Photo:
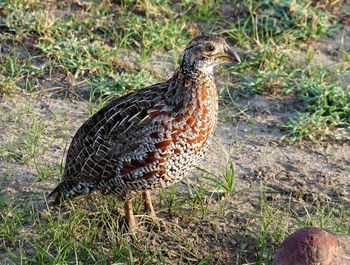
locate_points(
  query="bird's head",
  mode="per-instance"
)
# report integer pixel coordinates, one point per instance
(206, 51)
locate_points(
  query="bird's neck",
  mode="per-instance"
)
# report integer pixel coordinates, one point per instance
(193, 77)
(193, 70)
(186, 88)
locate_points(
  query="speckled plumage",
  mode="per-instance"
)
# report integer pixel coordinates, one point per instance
(147, 139)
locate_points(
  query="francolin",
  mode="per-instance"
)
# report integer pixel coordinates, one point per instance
(150, 138)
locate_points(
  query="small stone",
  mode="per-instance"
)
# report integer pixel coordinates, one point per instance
(311, 246)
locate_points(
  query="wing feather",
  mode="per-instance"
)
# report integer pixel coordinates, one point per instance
(100, 143)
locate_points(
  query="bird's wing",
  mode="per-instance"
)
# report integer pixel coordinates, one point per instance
(114, 140)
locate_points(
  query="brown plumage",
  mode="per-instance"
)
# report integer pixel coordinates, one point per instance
(149, 138)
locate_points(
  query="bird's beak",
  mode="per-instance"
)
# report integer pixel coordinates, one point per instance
(229, 55)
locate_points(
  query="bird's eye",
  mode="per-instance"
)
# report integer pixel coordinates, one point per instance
(210, 48)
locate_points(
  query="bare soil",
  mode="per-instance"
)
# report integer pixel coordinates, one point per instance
(249, 132)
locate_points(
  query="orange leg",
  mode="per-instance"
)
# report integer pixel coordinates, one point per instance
(148, 203)
(129, 214)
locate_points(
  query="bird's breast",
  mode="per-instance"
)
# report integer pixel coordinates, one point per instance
(194, 122)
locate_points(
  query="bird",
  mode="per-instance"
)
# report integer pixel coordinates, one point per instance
(150, 138)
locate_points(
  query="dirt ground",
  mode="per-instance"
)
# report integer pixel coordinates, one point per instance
(249, 132)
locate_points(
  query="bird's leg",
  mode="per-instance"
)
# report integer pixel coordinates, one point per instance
(148, 203)
(129, 214)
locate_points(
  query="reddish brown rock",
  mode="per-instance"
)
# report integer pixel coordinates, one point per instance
(313, 246)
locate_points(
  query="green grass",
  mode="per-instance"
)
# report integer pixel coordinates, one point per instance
(225, 183)
(88, 46)
(93, 233)
(268, 33)
(113, 49)
(327, 100)
(328, 106)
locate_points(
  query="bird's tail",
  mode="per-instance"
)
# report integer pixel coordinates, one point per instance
(70, 189)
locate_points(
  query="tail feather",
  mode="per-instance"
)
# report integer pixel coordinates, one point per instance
(70, 189)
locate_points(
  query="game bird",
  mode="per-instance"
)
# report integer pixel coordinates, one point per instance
(150, 138)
